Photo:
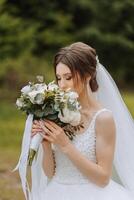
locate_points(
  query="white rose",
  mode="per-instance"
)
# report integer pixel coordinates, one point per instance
(73, 95)
(78, 106)
(40, 87)
(25, 90)
(40, 78)
(66, 117)
(52, 86)
(20, 103)
(39, 98)
(36, 97)
(32, 95)
(71, 117)
(76, 118)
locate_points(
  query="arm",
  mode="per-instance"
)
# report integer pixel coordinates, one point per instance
(99, 172)
(48, 162)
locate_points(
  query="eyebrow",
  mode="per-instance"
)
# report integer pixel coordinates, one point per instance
(64, 74)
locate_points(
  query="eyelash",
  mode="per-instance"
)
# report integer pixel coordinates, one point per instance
(66, 79)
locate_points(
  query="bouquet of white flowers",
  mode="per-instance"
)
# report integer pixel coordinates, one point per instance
(50, 102)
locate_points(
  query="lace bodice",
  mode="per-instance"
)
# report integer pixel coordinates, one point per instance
(66, 172)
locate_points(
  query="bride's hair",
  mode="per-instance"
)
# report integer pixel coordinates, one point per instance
(81, 58)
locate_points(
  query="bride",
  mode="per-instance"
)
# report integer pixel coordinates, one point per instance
(85, 167)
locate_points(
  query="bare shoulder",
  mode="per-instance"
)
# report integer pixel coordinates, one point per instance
(105, 124)
(105, 141)
(105, 116)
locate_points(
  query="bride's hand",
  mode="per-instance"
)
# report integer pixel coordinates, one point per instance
(37, 129)
(55, 134)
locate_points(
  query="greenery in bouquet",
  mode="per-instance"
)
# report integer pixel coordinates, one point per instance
(50, 102)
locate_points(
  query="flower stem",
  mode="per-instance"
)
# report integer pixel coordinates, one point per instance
(31, 156)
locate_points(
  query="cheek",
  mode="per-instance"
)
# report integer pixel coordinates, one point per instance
(71, 83)
(68, 84)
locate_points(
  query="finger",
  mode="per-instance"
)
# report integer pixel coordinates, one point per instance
(49, 133)
(36, 122)
(46, 130)
(49, 126)
(37, 129)
(54, 125)
(34, 133)
(44, 140)
(47, 137)
(36, 126)
(42, 134)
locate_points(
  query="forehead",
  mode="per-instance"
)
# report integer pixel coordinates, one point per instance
(62, 69)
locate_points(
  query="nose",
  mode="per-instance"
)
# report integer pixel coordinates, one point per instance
(63, 85)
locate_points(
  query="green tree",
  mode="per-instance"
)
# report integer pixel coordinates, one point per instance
(39, 27)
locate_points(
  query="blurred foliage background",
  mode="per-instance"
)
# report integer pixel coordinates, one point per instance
(31, 32)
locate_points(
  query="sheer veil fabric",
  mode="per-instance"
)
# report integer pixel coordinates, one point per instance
(109, 96)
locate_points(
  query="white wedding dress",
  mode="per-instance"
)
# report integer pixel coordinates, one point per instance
(69, 183)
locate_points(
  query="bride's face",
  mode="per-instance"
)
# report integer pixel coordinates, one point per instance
(66, 80)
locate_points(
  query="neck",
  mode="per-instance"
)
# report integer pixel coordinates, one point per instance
(88, 101)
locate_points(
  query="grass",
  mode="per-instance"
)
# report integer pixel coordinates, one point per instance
(129, 100)
(12, 125)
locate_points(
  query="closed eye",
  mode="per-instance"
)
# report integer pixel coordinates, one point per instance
(69, 78)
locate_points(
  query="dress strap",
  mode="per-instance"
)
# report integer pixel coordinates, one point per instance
(98, 112)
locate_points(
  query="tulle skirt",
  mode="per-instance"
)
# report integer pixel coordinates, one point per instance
(86, 191)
